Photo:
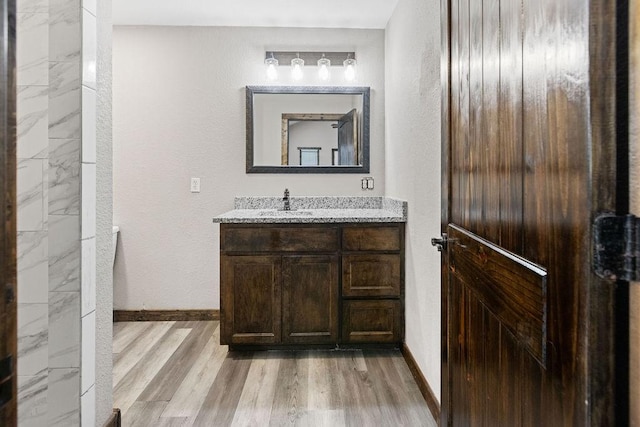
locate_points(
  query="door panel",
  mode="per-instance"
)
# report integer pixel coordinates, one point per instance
(513, 289)
(508, 115)
(495, 378)
(348, 139)
(529, 148)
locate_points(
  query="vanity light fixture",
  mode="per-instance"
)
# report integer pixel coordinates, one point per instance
(323, 68)
(350, 73)
(296, 68)
(324, 60)
(272, 68)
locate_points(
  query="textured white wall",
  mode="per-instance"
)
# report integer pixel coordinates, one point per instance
(104, 218)
(412, 150)
(179, 112)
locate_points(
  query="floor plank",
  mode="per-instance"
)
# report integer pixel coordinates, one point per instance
(176, 374)
(220, 404)
(174, 422)
(323, 418)
(322, 381)
(188, 399)
(290, 399)
(126, 333)
(145, 414)
(415, 397)
(391, 395)
(127, 391)
(117, 328)
(256, 400)
(361, 408)
(131, 354)
(168, 379)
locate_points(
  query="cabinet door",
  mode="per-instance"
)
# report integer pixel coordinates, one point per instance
(371, 321)
(310, 299)
(250, 303)
(371, 275)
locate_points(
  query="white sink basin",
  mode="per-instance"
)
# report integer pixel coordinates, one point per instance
(274, 212)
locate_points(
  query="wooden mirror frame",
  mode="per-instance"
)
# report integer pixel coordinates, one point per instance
(337, 90)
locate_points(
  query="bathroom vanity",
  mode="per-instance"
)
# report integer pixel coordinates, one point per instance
(329, 273)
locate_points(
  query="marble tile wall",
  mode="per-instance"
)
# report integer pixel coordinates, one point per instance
(65, 212)
(88, 213)
(32, 400)
(64, 392)
(33, 237)
(56, 62)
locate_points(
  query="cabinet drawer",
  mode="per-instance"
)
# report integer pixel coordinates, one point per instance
(279, 239)
(371, 238)
(376, 321)
(370, 275)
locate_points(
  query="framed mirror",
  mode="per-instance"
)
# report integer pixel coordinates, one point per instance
(307, 129)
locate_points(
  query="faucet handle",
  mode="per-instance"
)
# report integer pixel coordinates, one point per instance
(285, 199)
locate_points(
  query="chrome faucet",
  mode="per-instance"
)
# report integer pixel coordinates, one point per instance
(285, 199)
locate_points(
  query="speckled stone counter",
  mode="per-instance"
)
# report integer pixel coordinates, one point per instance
(252, 210)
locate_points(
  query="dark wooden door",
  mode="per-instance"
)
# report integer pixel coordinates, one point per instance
(348, 138)
(531, 156)
(310, 299)
(251, 303)
(8, 328)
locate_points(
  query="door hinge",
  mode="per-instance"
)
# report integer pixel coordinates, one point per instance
(9, 294)
(6, 380)
(616, 247)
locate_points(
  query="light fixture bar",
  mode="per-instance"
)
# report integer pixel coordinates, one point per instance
(310, 58)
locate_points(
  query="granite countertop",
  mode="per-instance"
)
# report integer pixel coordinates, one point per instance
(252, 210)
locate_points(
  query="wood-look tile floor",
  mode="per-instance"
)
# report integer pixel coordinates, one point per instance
(177, 374)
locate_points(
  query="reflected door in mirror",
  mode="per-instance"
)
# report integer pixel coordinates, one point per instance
(348, 138)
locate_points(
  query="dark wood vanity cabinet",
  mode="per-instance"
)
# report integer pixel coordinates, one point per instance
(372, 284)
(311, 284)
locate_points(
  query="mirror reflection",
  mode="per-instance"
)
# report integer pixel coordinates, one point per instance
(307, 129)
(331, 133)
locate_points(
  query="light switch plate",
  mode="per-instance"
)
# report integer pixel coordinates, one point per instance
(195, 185)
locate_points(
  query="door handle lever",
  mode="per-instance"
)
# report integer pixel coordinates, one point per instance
(440, 242)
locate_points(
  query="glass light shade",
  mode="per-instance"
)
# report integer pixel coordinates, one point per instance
(350, 69)
(296, 68)
(323, 68)
(272, 68)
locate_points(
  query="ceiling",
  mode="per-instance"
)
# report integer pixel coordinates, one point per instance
(255, 13)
